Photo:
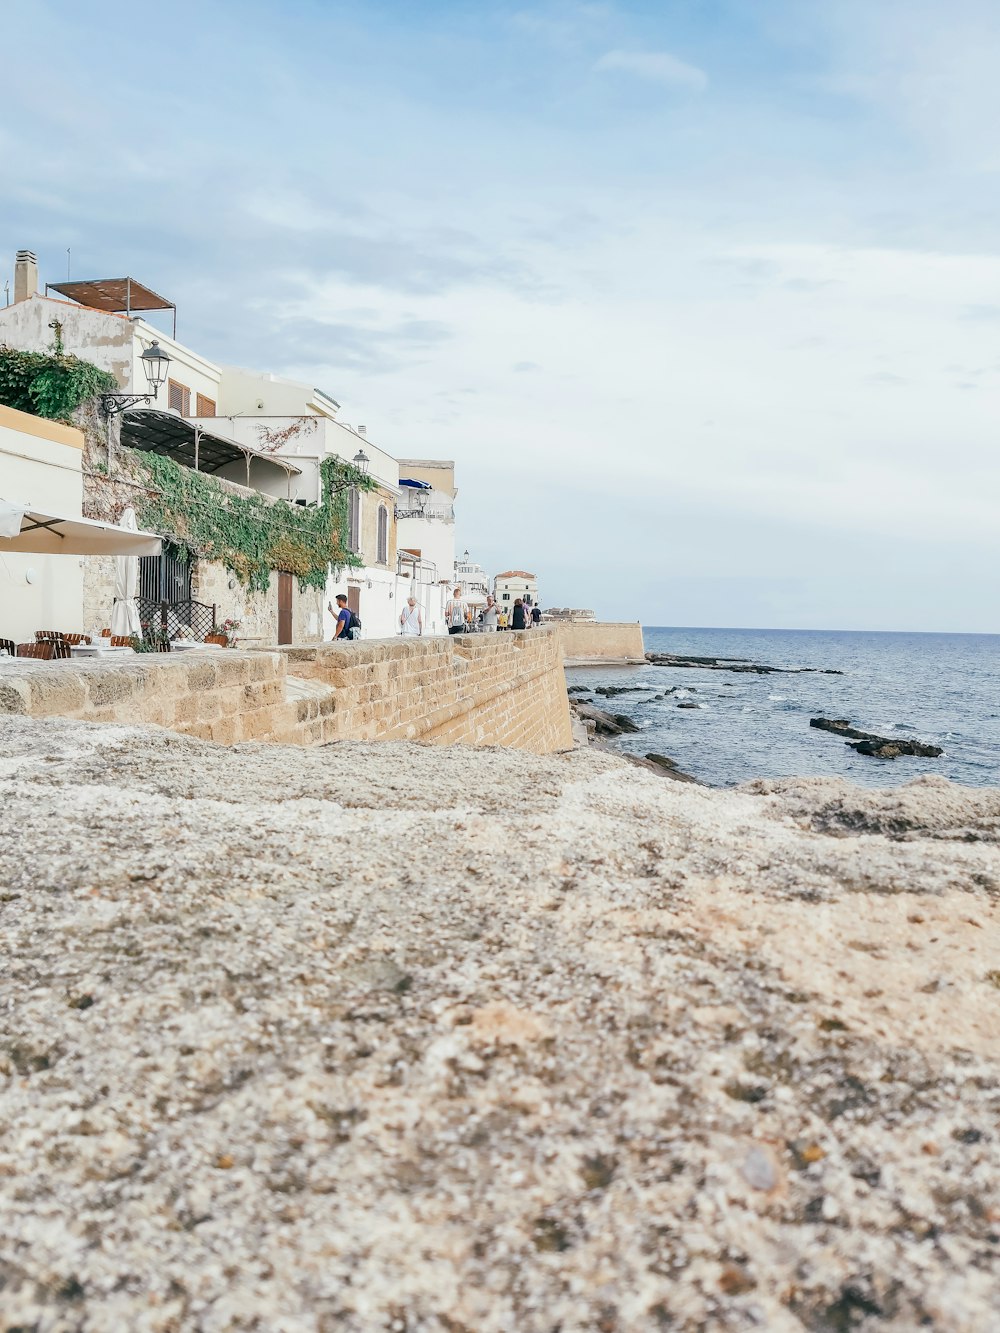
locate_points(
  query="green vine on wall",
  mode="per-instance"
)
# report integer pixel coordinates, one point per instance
(49, 384)
(247, 533)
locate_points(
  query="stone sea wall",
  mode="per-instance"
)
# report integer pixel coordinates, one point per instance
(504, 689)
(488, 689)
(601, 641)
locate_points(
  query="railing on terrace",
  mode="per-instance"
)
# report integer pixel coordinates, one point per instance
(162, 618)
(446, 512)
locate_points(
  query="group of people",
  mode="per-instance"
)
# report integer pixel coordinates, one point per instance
(460, 617)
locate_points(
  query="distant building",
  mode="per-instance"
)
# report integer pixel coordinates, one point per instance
(425, 534)
(572, 613)
(472, 579)
(514, 583)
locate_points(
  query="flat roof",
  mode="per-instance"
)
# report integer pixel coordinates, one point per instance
(116, 295)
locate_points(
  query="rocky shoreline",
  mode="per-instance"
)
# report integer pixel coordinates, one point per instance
(402, 1037)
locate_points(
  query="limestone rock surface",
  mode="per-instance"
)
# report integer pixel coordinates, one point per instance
(372, 1037)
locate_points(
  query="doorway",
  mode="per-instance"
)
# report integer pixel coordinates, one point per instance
(284, 607)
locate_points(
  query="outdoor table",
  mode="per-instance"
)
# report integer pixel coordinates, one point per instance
(96, 650)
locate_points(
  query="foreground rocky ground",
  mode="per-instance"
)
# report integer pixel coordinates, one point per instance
(392, 1037)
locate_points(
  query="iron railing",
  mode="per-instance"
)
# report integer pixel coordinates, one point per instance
(163, 618)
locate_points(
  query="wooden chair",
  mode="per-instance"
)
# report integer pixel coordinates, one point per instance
(49, 636)
(121, 640)
(8, 645)
(74, 639)
(221, 639)
(41, 650)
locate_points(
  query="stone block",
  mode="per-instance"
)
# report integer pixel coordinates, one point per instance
(109, 686)
(15, 695)
(201, 676)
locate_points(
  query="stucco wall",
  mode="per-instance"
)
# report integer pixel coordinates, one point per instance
(603, 641)
(503, 689)
(98, 337)
(40, 465)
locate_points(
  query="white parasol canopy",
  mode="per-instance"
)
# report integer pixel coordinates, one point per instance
(24, 528)
(125, 612)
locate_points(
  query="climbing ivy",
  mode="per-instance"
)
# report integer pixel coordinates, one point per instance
(247, 533)
(49, 384)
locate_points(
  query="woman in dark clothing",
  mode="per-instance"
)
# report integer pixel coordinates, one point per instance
(517, 615)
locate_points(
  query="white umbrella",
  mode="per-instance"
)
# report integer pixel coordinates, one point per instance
(125, 612)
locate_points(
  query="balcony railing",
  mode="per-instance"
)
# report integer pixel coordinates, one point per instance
(447, 512)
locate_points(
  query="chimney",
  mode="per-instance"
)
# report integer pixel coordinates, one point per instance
(363, 430)
(25, 275)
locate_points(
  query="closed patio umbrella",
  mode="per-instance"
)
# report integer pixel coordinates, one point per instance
(125, 612)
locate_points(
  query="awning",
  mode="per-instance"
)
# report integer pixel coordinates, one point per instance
(119, 295)
(416, 485)
(155, 432)
(38, 533)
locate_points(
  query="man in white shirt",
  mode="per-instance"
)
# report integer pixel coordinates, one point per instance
(488, 619)
(411, 618)
(454, 614)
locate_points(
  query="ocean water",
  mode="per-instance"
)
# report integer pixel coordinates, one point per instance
(940, 688)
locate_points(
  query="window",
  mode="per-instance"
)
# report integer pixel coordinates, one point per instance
(506, 597)
(382, 558)
(179, 398)
(206, 406)
(354, 519)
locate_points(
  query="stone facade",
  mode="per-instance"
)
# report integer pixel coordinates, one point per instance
(503, 689)
(601, 641)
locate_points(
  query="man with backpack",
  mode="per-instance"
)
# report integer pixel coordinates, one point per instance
(348, 625)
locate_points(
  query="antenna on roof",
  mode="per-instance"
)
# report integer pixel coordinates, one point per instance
(69, 252)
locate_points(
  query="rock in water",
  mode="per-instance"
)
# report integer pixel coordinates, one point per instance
(882, 747)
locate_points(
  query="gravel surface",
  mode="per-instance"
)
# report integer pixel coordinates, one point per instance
(398, 1037)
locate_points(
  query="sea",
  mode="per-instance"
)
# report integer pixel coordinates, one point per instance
(939, 688)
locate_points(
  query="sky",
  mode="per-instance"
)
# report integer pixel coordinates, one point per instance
(702, 296)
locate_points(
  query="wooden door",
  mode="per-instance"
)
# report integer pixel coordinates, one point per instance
(284, 608)
(354, 599)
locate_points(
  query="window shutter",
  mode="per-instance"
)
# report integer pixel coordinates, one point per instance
(206, 406)
(179, 398)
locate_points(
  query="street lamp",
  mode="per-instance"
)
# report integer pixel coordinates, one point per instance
(361, 461)
(156, 367)
(420, 500)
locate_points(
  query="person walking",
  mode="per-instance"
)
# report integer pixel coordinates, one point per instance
(454, 614)
(347, 625)
(517, 615)
(411, 619)
(488, 619)
(536, 616)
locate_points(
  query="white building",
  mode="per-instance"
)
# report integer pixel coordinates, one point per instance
(282, 431)
(41, 465)
(425, 534)
(514, 583)
(472, 579)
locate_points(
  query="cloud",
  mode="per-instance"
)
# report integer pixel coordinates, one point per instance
(657, 67)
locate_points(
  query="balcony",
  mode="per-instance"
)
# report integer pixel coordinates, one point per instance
(444, 512)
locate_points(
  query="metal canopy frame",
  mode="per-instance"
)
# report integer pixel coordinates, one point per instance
(154, 432)
(118, 296)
